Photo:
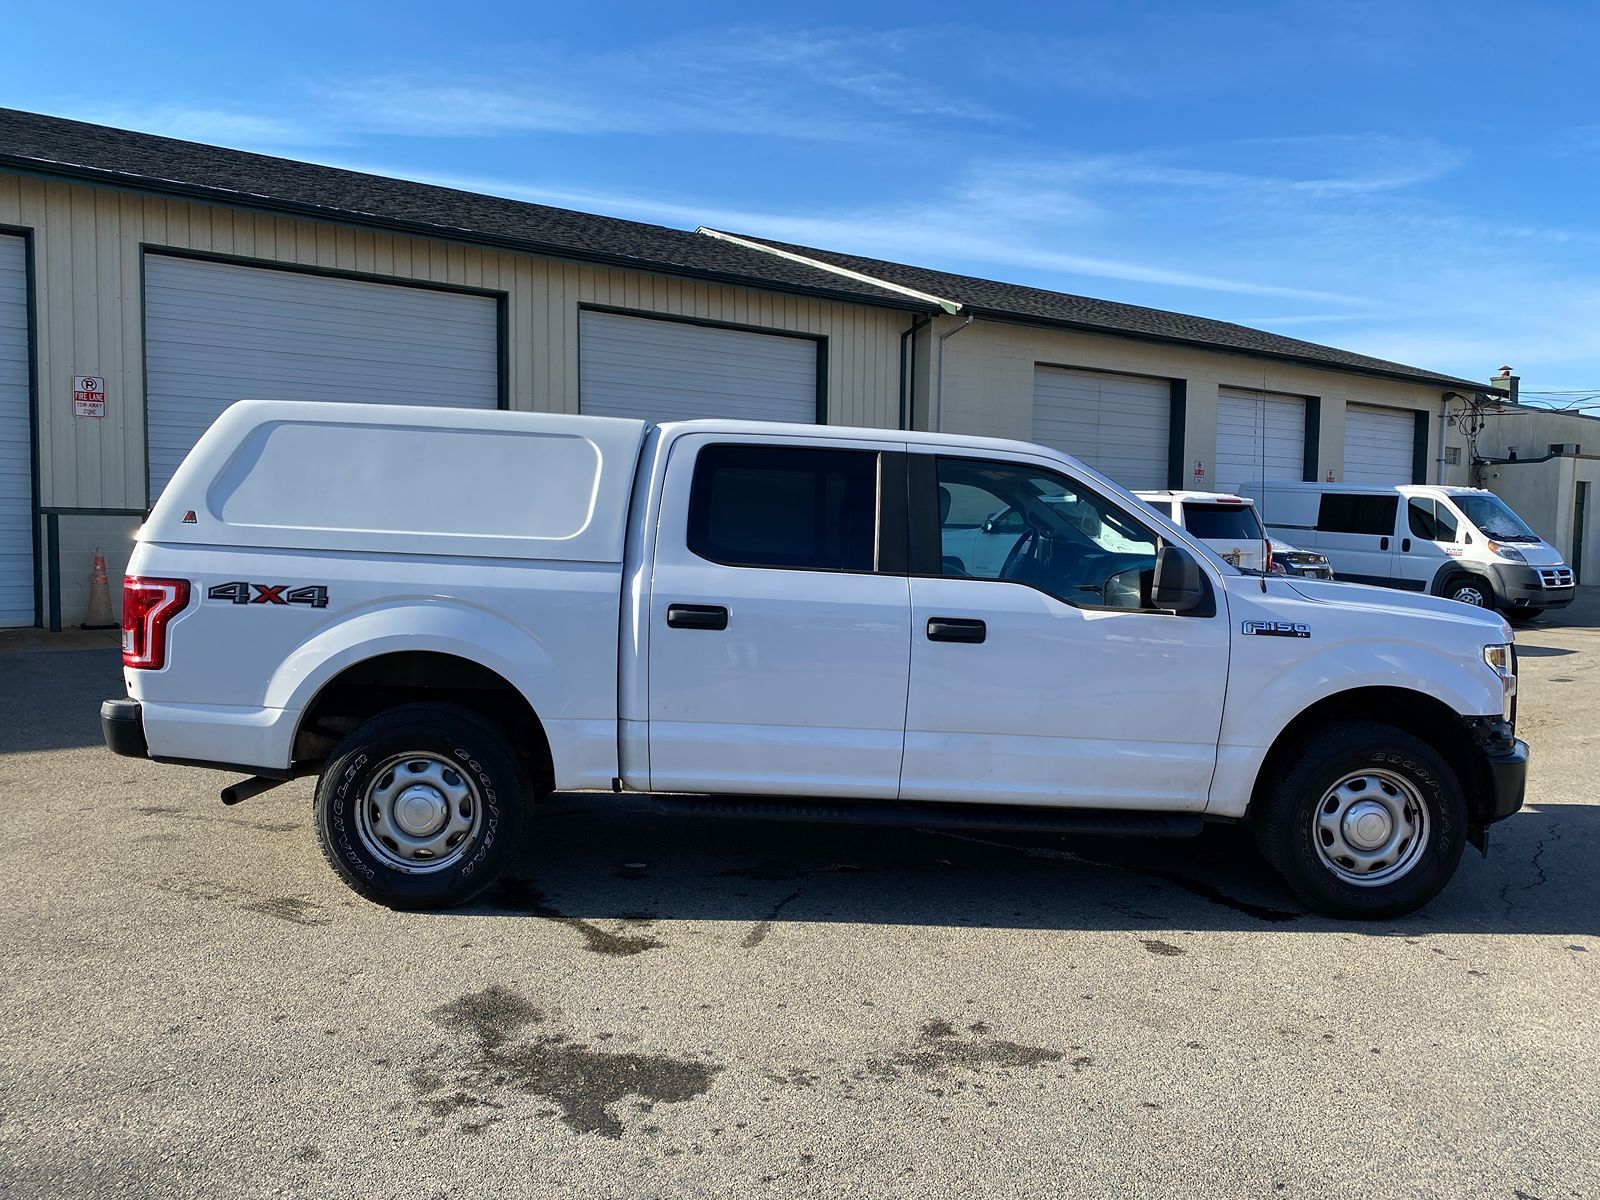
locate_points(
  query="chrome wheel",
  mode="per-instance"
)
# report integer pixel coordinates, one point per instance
(1470, 593)
(420, 813)
(1371, 827)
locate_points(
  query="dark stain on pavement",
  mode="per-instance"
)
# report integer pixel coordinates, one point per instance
(583, 1083)
(758, 934)
(519, 896)
(287, 908)
(1156, 946)
(939, 1050)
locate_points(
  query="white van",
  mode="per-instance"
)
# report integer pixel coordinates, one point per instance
(1460, 542)
(1230, 526)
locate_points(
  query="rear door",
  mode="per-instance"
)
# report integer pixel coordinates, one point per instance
(1356, 530)
(779, 618)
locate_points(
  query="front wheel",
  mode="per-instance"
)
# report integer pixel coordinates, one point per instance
(421, 806)
(1364, 821)
(1523, 616)
(1471, 589)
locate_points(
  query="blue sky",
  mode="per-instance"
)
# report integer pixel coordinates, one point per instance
(1412, 180)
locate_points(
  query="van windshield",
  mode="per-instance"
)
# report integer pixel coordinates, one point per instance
(1490, 514)
(1224, 522)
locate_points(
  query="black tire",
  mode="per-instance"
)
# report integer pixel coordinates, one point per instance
(470, 755)
(1287, 832)
(1523, 616)
(1463, 583)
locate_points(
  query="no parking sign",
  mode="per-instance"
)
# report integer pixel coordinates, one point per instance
(88, 396)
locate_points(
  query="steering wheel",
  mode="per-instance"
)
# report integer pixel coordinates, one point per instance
(1018, 552)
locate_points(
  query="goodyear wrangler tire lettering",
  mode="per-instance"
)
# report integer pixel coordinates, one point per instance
(401, 826)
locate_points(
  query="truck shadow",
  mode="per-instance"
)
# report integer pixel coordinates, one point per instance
(615, 872)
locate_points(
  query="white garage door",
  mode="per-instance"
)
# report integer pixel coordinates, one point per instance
(1118, 424)
(673, 371)
(218, 332)
(16, 472)
(1259, 436)
(1378, 444)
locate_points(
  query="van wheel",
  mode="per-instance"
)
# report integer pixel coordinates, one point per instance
(1366, 821)
(1523, 616)
(421, 806)
(1471, 589)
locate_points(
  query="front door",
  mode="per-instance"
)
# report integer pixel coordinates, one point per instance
(1048, 678)
(1430, 540)
(779, 638)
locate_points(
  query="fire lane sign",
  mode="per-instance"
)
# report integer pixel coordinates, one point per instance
(88, 396)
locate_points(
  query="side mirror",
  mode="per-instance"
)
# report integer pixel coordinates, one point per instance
(1179, 585)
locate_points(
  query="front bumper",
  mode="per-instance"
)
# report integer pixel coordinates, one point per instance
(1508, 779)
(1523, 587)
(122, 725)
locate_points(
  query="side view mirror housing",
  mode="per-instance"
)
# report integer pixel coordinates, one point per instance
(1180, 586)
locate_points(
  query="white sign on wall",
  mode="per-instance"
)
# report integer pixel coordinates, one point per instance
(88, 396)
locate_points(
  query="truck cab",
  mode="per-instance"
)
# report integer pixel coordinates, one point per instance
(1230, 526)
(765, 619)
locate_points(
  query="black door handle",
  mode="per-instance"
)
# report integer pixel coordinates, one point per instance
(1405, 545)
(697, 616)
(956, 629)
(1383, 543)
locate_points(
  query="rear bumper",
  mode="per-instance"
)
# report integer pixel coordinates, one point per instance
(122, 726)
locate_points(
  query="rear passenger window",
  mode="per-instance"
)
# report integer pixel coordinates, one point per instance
(772, 506)
(1357, 514)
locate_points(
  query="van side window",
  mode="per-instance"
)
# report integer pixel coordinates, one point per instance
(1432, 520)
(1344, 513)
(774, 506)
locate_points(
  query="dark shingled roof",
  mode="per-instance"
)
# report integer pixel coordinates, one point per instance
(56, 146)
(988, 298)
(98, 153)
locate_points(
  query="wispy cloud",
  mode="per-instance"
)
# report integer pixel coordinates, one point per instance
(810, 85)
(203, 124)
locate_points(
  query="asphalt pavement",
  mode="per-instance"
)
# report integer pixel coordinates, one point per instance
(651, 1006)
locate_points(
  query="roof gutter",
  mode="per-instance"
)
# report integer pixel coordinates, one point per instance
(952, 307)
(125, 181)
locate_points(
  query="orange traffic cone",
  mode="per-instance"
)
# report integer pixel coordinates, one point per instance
(99, 596)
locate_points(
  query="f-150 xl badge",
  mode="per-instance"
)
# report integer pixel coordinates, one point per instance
(315, 595)
(1277, 629)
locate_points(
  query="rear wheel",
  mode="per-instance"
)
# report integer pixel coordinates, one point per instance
(421, 806)
(1364, 821)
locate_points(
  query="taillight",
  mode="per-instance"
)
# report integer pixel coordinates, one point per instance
(147, 606)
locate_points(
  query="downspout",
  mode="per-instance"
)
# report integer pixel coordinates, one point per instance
(908, 370)
(1444, 432)
(938, 421)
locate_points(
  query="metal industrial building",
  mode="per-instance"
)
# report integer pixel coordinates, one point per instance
(187, 276)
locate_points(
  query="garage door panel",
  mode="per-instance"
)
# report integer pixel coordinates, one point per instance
(1378, 444)
(1117, 424)
(220, 332)
(16, 439)
(659, 370)
(1260, 435)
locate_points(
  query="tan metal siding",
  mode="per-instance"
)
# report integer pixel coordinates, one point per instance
(88, 299)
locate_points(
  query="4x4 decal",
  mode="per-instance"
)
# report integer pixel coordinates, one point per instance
(314, 595)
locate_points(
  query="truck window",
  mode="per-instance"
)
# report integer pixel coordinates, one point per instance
(1345, 513)
(1430, 519)
(1069, 542)
(775, 506)
(1224, 522)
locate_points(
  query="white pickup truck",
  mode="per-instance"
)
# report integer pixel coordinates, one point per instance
(447, 615)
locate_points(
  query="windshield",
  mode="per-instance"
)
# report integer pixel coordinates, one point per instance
(1490, 514)
(1224, 522)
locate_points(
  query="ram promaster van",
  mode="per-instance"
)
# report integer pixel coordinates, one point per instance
(1460, 542)
(1229, 525)
(446, 615)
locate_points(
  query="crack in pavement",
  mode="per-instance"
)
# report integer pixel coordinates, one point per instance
(1536, 861)
(758, 934)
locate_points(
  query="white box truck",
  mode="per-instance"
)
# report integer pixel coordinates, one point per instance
(1460, 542)
(447, 614)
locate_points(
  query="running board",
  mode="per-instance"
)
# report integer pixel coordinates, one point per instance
(1021, 818)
